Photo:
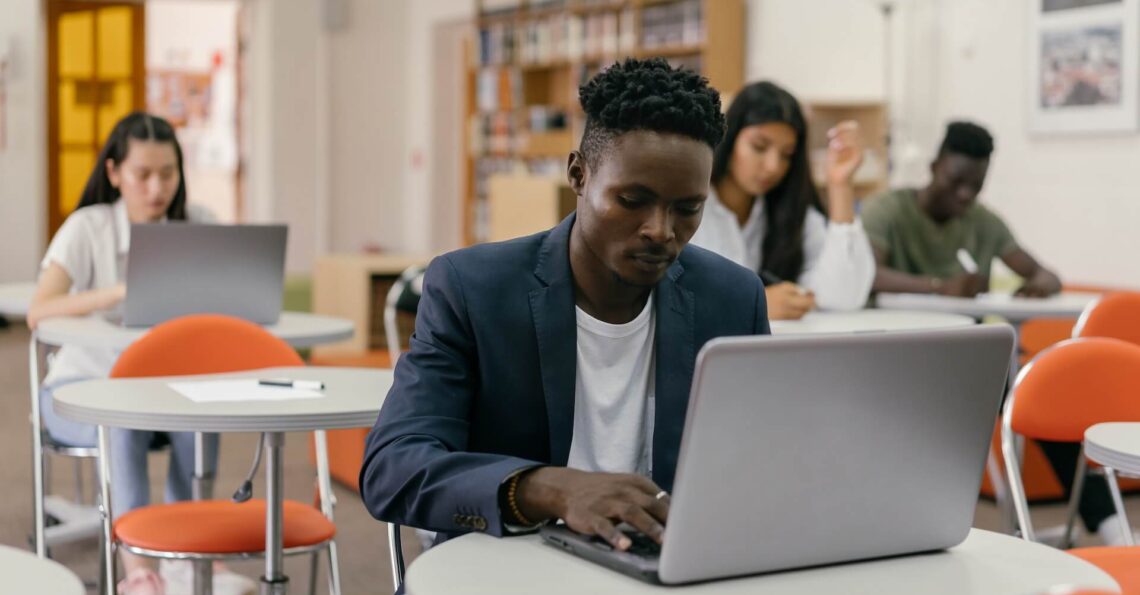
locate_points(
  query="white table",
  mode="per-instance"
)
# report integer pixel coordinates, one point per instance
(23, 572)
(867, 321)
(1014, 309)
(986, 563)
(351, 399)
(15, 298)
(1116, 446)
(299, 329)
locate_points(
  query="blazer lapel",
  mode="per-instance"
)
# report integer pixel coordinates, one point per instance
(552, 308)
(676, 355)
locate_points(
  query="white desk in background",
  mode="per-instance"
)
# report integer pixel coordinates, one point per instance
(298, 329)
(1014, 309)
(22, 572)
(868, 321)
(986, 563)
(15, 299)
(351, 399)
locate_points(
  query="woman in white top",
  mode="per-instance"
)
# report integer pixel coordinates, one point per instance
(764, 211)
(137, 179)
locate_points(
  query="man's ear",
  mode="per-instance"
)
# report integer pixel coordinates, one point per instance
(577, 172)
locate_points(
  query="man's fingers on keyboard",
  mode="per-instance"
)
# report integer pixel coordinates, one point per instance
(641, 520)
(606, 530)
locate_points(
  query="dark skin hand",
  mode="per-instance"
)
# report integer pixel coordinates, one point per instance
(594, 503)
(1039, 281)
(890, 280)
(638, 206)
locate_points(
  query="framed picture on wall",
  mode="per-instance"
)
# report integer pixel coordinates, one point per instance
(1083, 58)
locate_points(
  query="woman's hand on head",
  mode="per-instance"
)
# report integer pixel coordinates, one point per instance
(844, 152)
(788, 301)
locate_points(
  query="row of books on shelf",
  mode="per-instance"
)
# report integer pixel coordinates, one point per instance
(672, 25)
(559, 37)
(500, 133)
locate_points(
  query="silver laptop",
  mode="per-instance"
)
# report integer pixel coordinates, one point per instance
(175, 269)
(810, 450)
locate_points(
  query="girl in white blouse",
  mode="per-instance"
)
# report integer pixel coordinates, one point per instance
(764, 211)
(137, 179)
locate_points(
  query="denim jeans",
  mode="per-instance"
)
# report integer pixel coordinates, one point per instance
(130, 478)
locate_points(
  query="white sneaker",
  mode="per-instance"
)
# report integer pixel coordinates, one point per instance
(179, 578)
(1110, 533)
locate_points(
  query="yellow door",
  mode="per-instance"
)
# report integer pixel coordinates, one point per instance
(95, 77)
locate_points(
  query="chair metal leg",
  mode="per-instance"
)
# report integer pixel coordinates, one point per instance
(105, 508)
(396, 550)
(314, 568)
(79, 495)
(203, 577)
(1075, 498)
(334, 570)
(1118, 502)
(38, 472)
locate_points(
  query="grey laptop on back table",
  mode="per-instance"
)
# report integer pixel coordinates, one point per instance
(818, 449)
(175, 269)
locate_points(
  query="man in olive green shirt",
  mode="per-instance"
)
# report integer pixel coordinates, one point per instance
(916, 234)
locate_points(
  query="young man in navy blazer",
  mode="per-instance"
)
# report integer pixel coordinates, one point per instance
(548, 376)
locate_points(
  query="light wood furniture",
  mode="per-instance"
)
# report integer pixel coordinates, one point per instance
(530, 56)
(353, 286)
(521, 205)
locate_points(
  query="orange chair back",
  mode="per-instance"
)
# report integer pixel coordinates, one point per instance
(203, 344)
(1076, 384)
(1115, 315)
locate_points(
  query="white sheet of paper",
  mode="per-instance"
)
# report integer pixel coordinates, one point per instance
(246, 389)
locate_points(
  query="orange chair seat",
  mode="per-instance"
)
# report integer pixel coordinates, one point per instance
(1121, 563)
(218, 527)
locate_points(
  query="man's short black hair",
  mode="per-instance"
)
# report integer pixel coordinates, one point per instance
(967, 139)
(648, 95)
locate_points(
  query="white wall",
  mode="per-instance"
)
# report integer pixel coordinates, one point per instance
(22, 165)
(1071, 200)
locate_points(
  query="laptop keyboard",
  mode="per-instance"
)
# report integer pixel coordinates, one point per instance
(642, 545)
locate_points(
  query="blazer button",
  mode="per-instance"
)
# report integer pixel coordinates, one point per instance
(458, 519)
(480, 523)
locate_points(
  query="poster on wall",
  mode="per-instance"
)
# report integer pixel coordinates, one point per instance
(1083, 66)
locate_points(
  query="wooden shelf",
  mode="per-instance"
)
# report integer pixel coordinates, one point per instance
(532, 29)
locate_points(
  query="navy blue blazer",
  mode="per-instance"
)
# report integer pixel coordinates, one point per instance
(488, 386)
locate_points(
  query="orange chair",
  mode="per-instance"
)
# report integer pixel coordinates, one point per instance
(1115, 315)
(207, 530)
(1066, 389)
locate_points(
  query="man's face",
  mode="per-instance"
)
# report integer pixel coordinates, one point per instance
(955, 183)
(641, 202)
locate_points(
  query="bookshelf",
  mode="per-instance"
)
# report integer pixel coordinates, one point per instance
(530, 56)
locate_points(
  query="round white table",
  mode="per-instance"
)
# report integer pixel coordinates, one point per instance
(986, 563)
(1013, 309)
(1116, 445)
(868, 321)
(24, 572)
(351, 399)
(15, 298)
(299, 329)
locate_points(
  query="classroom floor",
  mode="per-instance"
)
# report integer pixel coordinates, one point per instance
(362, 541)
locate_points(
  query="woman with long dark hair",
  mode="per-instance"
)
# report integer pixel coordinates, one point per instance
(764, 211)
(138, 178)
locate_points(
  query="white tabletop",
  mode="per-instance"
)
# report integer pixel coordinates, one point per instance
(351, 399)
(985, 563)
(299, 329)
(15, 298)
(868, 320)
(1115, 444)
(24, 572)
(1015, 309)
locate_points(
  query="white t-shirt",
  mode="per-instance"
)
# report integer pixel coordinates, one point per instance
(91, 246)
(839, 266)
(613, 394)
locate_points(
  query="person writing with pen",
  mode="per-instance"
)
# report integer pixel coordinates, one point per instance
(548, 376)
(939, 239)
